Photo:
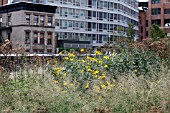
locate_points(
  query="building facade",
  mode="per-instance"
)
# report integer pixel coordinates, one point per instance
(3, 2)
(30, 25)
(90, 23)
(158, 12)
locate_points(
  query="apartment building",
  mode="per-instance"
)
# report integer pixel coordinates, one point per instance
(90, 23)
(158, 12)
(30, 25)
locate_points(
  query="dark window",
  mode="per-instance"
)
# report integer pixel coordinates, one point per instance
(146, 23)
(35, 37)
(42, 20)
(41, 38)
(27, 37)
(166, 22)
(156, 11)
(141, 38)
(157, 22)
(9, 18)
(9, 36)
(146, 33)
(50, 20)
(141, 29)
(28, 19)
(35, 20)
(49, 40)
(155, 1)
(94, 13)
(166, 11)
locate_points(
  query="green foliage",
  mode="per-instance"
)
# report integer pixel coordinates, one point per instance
(130, 32)
(156, 32)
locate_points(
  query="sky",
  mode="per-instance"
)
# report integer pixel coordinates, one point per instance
(143, 0)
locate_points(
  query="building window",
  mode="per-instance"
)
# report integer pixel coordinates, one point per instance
(41, 38)
(49, 51)
(28, 19)
(166, 11)
(146, 23)
(49, 39)
(157, 22)
(81, 24)
(146, 33)
(155, 1)
(49, 20)
(42, 20)
(0, 19)
(70, 24)
(9, 36)
(35, 38)
(141, 29)
(156, 11)
(9, 20)
(27, 37)
(35, 20)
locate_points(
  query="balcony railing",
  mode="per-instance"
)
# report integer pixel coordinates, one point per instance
(2, 24)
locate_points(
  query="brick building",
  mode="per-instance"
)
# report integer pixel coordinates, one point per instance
(3, 2)
(158, 12)
(30, 25)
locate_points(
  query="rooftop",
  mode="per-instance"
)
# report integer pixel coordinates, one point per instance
(27, 6)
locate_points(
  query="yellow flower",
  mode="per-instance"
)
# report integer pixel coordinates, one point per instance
(105, 66)
(64, 84)
(95, 76)
(95, 72)
(103, 86)
(83, 61)
(105, 57)
(82, 50)
(56, 81)
(82, 71)
(64, 75)
(71, 59)
(87, 57)
(72, 55)
(113, 54)
(87, 86)
(100, 61)
(93, 59)
(70, 84)
(101, 77)
(60, 53)
(89, 70)
(98, 53)
(66, 58)
(87, 67)
(58, 70)
(109, 84)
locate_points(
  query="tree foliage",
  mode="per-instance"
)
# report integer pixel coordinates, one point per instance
(156, 32)
(130, 32)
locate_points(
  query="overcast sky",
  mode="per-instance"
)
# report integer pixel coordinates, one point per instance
(143, 0)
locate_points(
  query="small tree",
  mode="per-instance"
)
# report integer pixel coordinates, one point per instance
(130, 32)
(156, 32)
(119, 30)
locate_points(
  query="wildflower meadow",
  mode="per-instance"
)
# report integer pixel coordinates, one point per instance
(126, 78)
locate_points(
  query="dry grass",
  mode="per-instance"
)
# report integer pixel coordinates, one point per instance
(37, 93)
